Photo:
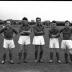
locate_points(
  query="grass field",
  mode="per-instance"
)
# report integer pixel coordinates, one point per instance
(32, 67)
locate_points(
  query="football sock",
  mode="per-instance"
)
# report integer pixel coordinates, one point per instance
(57, 56)
(24, 56)
(70, 57)
(66, 57)
(36, 52)
(51, 55)
(41, 54)
(4, 56)
(19, 55)
(10, 56)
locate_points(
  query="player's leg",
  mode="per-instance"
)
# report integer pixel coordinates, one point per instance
(25, 54)
(70, 49)
(51, 50)
(57, 55)
(20, 53)
(66, 56)
(63, 46)
(70, 54)
(11, 47)
(56, 42)
(21, 43)
(27, 42)
(11, 56)
(4, 55)
(42, 43)
(36, 52)
(5, 48)
(41, 53)
(36, 43)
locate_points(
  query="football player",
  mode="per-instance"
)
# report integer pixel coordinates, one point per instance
(54, 42)
(66, 43)
(38, 39)
(24, 39)
(8, 44)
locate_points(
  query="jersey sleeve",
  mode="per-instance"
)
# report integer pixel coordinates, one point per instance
(20, 29)
(61, 30)
(49, 32)
(34, 29)
(15, 31)
(71, 30)
(2, 30)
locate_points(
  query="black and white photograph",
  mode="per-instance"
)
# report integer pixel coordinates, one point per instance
(35, 36)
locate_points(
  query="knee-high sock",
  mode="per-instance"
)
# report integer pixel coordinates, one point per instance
(24, 56)
(51, 55)
(10, 55)
(36, 52)
(66, 57)
(70, 56)
(41, 54)
(4, 56)
(19, 55)
(57, 55)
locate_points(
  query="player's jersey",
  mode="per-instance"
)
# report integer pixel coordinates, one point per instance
(66, 33)
(54, 31)
(23, 29)
(38, 30)
(8, 32)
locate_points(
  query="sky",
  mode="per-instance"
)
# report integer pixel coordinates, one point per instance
(47, 10)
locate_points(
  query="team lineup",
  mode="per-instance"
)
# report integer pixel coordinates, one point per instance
(38, 41)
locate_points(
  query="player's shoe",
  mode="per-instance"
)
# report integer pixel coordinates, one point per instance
(2, 62)
(40, 61)
(36, 61)
(24, 61)
(11, 62)
(58, 61)
(50, 61)
(66, 62)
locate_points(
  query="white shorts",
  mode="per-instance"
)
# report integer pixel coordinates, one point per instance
(38, 40)
(8, 43)
(24, 40)
(54, 43)
(66, 43)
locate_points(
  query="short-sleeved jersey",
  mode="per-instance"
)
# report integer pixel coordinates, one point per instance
(8, 32)
(54, 31)
(38, 30)
(67, 31)
(25, 28)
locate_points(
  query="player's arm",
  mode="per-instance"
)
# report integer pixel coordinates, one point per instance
(61, 34)
(15, 31)
(50, 35)
(2, 30)
(41, 31)
(58, 34)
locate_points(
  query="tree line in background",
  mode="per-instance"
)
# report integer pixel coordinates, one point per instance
(32, 22)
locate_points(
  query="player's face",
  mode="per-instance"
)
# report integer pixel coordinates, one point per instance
(26, 22)
(67, 24)
(8, 23)
(38, 21)
(53, 25)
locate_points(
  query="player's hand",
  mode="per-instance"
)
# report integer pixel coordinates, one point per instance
(53, 35)
(40, 32)
(25, 32)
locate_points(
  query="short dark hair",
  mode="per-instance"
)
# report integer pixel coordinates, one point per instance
(53, 21)
(67, 21)
(38, 18)
(25, 18)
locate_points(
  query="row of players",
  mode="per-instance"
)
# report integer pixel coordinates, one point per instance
(38, 40)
